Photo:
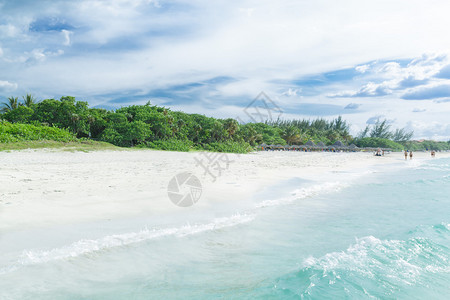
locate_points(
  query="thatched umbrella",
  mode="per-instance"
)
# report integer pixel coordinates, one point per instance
(263, 146)
(320, 145)
(310, 144)
(338, 144)
(353, 147)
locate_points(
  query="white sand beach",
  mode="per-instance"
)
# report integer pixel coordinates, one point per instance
(41, 188)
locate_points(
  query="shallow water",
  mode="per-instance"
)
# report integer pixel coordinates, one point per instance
(385, 234)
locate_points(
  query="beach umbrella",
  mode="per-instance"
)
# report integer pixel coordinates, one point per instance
(320, 145)
(338, 144)
(353, 147)
(310, 144)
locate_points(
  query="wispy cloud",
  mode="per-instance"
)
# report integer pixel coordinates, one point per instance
(432, 92)
(352, 106)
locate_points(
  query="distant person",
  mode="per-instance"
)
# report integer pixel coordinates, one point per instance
(406, 154)
(433, 153)
(410, 155)
(378, 153)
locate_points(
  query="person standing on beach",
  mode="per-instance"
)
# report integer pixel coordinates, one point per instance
(406, 154)
(410, 155)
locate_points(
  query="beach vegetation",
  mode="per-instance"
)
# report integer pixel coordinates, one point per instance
(157, 127)
(16, 132)
(425, 145)
(376, 142)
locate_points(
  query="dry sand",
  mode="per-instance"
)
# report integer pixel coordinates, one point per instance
(42, 188)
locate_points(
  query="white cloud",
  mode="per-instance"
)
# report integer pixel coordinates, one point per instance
(291, 92)
(396, 79)
(7, 86)
(66, 35)
(362, 68)
(9, 30)
(370, 89)
(433, 130)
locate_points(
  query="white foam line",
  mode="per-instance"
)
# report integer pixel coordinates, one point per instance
(82, 247)
(304, 193)
(398, 259)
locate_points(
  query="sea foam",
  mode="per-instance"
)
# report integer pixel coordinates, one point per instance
(87, 246)
(303, 193)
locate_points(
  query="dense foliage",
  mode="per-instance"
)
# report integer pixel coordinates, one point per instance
(376, 142)
(161, 128)
(381, 135)
(28, 132)
(426, 145)
(381, 129)
(319, 130)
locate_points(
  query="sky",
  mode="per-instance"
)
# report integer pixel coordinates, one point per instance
(363, 60)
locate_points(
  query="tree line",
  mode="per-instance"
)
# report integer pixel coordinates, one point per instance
(161, 128)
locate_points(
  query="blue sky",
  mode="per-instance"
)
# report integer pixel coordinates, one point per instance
(360, 59)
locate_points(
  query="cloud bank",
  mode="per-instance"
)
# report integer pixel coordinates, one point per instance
(214, 57)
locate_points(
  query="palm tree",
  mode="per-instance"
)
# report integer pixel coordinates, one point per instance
(291, 134)
(197, 128)
(217, 132)
(231, 126)
(252, 136)
(13, 103)
(29, 100)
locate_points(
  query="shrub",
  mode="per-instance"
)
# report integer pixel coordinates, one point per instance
(229, 146)
(26, 132)
(171, 145)
(377, 143)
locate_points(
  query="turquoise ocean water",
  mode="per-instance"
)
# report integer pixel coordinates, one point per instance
(382, 233)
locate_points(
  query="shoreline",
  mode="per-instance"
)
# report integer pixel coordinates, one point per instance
(44, 189)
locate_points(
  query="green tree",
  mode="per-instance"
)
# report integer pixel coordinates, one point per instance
(291, 135)
(21, 114)
(381, 130)
(231, 126)
(401, 135)
(137, 133)
(13, 103)
(29, 101)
